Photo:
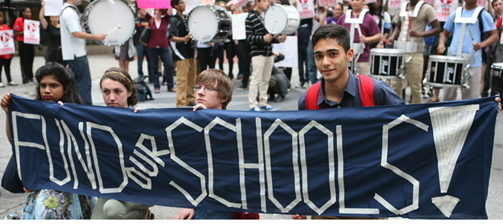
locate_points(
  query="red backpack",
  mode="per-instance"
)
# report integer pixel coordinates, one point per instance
(366, 93)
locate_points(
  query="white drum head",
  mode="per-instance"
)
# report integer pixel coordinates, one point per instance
(275, 19)
(113, 18)
(202, 23)
(498, 65)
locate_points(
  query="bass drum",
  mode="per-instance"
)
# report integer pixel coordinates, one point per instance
(209, 23)
(111, 17)
(282, 19)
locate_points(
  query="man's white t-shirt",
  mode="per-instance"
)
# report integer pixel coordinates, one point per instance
(70, 22)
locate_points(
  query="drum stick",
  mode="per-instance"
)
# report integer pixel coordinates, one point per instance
(471, 37)
(116, 28)
(274, 25)
(190, 30)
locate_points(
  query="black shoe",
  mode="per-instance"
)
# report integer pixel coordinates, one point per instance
(191, 104)
(241, 87)
(279, 98)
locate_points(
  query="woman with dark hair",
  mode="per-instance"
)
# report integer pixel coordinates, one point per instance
(26, 51)
(55, 84)
(336, 13)
(118, 90)
(158, 47)
(383, 19)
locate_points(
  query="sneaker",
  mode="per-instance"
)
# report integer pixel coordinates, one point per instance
(267, 107)
(255, 109)
(241, 87)
(11, 83)
(1, 85)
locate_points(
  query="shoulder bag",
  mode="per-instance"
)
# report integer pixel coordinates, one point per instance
(145, 34)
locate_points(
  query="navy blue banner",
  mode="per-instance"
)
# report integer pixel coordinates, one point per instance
(415, 161)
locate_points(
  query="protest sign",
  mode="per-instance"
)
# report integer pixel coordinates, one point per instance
(421, 161)
(7, 43)
(31, 32)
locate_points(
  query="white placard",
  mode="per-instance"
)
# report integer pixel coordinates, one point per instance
(306, 8)
(239, 3)
(52, 7)
(31, 32)
(238, 26)
(289, 49)
(443, 8)
(7, 42)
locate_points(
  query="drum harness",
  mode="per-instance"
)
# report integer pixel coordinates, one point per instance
(74, 8)
(355, 24)
(407, 26)
(459, 53)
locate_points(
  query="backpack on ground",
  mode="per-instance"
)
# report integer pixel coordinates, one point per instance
(144, 92)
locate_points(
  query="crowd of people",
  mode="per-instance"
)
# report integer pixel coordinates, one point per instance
(328, 42)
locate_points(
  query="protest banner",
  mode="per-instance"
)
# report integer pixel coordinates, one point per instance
(420, 161)
(7, 43)
(31, 32)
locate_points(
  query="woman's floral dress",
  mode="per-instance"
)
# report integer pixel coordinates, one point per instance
(52, 204)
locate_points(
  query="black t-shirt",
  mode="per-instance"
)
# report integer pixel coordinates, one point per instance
(54, 36)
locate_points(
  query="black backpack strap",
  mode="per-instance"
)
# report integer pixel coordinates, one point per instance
(481, 24)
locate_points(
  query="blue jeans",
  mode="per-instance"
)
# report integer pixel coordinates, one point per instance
(302, 60)
(80, 67)
(311, 67)
(141, 52)
(153, 55)
(210, 214)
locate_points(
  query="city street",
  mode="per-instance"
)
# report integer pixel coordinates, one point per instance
(10, 203)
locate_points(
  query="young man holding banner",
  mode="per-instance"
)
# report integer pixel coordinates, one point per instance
(339, 87)
(213, 91)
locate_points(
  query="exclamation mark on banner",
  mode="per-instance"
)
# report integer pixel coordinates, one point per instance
(450, 128)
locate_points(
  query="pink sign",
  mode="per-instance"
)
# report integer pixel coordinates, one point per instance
(154, 4)
(328, 2)
(394, 4)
